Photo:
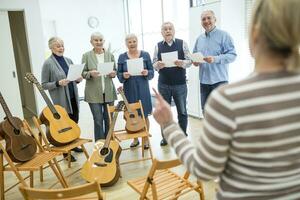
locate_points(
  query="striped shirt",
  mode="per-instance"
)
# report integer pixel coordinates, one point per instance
(251, 139)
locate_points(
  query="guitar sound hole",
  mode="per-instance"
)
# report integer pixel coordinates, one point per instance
(131, 115)
(17, 132)
(104, 151)
(56, 116)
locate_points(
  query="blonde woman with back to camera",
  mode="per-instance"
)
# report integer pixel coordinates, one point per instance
(251, 137)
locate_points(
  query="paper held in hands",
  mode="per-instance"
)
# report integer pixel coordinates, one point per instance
(169, 58)
(75, 72)
(135, 66)
(198, 57)
(105, 68)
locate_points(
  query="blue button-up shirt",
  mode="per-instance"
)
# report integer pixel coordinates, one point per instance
(219, 44)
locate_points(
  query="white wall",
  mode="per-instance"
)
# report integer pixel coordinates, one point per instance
(68, 19)
(234, 22)
(34, 35)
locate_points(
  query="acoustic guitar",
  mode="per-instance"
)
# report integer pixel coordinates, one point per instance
(20, 146)
(61, 129)
(134, 121)
(103, 165)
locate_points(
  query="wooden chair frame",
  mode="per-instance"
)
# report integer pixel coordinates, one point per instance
(39, 160)
(62, 149)
(164, 183)
(66, 193)
(121, 135)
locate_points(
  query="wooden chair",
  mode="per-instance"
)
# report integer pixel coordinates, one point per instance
(87, 191)
(121, 135)
(164, 183)
(62, 149)
(65, 148)
(41, 159)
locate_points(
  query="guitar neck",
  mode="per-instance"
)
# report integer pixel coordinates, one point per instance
(125, 101)
(7, 112)
(46, 98)
(111, 129)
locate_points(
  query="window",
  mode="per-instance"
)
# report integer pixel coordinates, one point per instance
(144, 18)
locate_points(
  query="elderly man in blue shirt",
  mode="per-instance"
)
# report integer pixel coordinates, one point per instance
(218, 51)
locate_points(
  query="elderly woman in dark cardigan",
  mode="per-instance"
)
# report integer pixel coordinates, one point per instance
(136, 87)
(62, 91)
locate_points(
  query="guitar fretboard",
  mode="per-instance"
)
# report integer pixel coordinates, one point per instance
(7, 111)
(46, 98)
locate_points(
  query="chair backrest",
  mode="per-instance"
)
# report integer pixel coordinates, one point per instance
(134, 106)
(34, 193)
(160, 165)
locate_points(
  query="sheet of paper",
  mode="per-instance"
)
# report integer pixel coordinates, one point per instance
(75, 71)
(197, 57)
(169, 58)
(105, 68)
(135, 66)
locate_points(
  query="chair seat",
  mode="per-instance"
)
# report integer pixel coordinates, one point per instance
(123, 135)
(86, 197)
(72, 145)
(38, 160)
(168, 184)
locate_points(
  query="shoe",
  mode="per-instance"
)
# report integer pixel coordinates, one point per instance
(133, 144)
(163, 142)
(146, 146)
(73, 159)
(77, 150)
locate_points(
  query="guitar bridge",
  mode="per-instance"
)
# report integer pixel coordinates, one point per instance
(64, 129)
(100, 164)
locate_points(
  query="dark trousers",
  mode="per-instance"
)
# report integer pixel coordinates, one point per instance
(75, 115)
(179, 94)
(206, 89)
(101, 119)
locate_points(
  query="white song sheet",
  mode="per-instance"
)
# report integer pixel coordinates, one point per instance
(169, 58)
(105, 68)
(198, 57)
(75, 72)
(135, 66)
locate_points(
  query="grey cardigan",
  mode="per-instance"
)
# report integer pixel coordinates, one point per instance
(53, 72)
(93, 86)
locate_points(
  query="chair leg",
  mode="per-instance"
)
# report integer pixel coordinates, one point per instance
(58, 175)
(41, 174)
(143, 150)
(69, 159)
(31, 179)
(200, 190)
(85, 151)
(60, 171)
(1, 177)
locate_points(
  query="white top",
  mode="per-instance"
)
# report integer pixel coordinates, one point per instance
(100, 59)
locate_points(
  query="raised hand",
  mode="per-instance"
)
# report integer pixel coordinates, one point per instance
(162, 113)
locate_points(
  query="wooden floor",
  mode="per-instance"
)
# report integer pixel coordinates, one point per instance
(129, 171)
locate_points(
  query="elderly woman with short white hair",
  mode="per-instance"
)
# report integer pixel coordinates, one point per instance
(62, 91)
(99, 89)
(136, 87)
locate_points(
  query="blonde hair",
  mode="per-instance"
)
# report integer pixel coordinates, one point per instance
(278, 23)
(53, 40)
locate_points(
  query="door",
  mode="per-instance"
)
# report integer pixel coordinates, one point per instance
(9, 86)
